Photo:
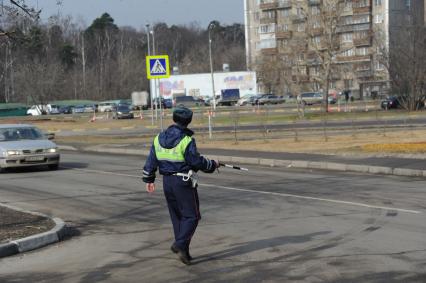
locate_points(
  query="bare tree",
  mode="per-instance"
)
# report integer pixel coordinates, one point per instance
(404, 58)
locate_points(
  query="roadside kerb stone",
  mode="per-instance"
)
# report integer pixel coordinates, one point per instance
(35, 241)
(8, 249)
(357, 168)
(336, 166)
(407, 172)
(380, 170)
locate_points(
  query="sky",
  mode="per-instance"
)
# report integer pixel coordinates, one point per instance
(137, 13)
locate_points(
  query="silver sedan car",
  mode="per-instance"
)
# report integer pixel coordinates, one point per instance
(25, 145)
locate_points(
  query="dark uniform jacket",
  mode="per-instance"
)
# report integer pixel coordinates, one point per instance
(170, 139)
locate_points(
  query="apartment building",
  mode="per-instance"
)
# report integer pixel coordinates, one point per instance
(293, 32)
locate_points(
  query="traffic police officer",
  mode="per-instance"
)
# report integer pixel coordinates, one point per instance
(174, 152)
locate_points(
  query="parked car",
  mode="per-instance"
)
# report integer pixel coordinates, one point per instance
(188, 101)
(123, 111)
(270, 99)
(106, 106)
(391, 102)
(84, 109)
(310, 98)
(65, 110)
(245, 100)
(168, 103)
(26, 145)
(332, 99)
(254, 99)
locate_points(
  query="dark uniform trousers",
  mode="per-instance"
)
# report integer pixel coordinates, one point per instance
(183, 204)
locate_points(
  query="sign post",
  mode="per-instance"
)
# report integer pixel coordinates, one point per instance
(158, 67)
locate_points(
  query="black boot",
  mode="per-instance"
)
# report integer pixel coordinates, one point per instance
(175, 250)
(184, 256)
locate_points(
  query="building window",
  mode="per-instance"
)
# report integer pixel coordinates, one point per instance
(349, 84)
(315, 10)
(267, 28)
(347, 37)
(284, 13)
(316, 40)
(301, 27)
(268, 43)
(268, 15)
(408, 4)
(379, 66)
(348, 53)
(363, 51)
(301, 57)
(361, 19)
(378, 19)
(377, 2)
(316, 24)
(283, 27)
(284, 42)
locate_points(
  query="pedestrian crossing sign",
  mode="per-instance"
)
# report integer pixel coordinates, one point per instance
(157, 67)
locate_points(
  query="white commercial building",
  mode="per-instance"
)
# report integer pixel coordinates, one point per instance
(201, 84)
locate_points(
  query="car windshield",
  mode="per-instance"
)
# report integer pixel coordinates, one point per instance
(123, 107)
(17, 134)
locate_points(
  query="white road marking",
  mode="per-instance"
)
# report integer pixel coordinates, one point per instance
(265, 193)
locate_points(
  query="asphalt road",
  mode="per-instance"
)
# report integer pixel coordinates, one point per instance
(267, 225)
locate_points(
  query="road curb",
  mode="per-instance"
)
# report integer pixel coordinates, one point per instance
(300, 164)
(35, 241)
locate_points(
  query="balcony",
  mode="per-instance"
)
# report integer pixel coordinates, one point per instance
(354, 58)
(267, 21)
(298, 19)
(284, 4)
(269, 51)
(364, 73)
(268, 5)
(361, 10)
(353, 27)
(283, 34)
(365, 41)
(317, 31)
(314, 2)
(300, 78)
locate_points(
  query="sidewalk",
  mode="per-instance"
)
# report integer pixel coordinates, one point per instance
(399, 165)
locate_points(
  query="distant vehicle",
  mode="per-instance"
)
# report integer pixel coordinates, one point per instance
(310, 98)
(65, 110)
(392, 102)
(332, 99)
(228, 97)
(84, 109)
(188, 101)
(25, 145)
(106, 106)
(140, 100)
(270, 99)
(53, 109)
(245, 100)
(168, 103)
(37, 110)
(123, 111)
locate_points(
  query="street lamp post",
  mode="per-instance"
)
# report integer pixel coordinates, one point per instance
(211, 65)
(149, 54)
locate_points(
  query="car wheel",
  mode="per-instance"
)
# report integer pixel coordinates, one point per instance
(53, 167)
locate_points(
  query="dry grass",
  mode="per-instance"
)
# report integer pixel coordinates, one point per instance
(395, 142)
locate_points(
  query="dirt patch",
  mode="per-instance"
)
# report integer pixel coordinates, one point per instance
(15, 224)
